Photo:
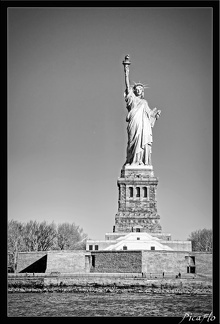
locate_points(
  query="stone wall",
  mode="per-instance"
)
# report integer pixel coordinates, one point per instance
(28, 261)
(178, 245)
(66, 261)
(203, 262)
(116, 261)
(164, 261)
(53, 261)
(175, 262)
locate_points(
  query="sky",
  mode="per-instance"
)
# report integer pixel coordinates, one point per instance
(66, 112)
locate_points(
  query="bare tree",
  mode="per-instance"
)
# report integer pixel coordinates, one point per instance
(15, 242)
(30, 235)
(46, 236)
(201, 240)
(39, 236)
(70, 237)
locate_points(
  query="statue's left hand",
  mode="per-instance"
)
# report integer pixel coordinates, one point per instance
(158, 114)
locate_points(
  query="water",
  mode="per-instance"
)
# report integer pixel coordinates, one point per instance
(112, 304)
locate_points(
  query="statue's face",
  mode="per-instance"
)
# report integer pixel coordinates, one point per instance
(138, 91)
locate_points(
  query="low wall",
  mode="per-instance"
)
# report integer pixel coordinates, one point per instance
(179, 245)
(175, 262)
(203, 262)
(116, 261)
(126, 261)
(66, 261)
(32, 261)
(53, 261)
(164, 261)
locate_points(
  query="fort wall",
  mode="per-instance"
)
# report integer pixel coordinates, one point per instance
(127, 261)
(29, 261)
(66, 261)
(116, 261)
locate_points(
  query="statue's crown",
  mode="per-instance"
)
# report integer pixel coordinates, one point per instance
(140, 84)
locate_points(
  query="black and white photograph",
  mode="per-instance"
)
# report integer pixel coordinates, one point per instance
(110, 161)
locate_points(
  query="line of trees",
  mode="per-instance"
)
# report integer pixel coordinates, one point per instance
(43, 236)
(201, 240)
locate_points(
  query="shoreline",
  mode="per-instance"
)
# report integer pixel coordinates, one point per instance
(62, 284)
(159, 291)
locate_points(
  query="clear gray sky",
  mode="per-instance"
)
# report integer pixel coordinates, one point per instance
(66, 112)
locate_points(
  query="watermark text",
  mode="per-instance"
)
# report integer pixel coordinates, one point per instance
(198, 318)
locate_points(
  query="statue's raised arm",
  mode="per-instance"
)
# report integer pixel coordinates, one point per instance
(126, 64)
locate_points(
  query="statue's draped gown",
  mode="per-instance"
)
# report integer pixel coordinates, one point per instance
(140, 122)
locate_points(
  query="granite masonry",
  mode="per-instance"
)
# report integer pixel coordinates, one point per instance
(136, 262)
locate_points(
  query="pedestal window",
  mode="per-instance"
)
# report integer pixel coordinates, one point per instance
(130, 192)
(145, 192)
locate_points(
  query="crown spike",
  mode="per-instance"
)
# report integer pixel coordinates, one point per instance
(141, 84)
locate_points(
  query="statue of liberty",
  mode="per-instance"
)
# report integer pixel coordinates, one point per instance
(141, 120)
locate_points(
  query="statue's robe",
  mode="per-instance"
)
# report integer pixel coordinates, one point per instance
(140, 120)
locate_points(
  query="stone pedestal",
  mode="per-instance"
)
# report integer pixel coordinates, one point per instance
(137, 205)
